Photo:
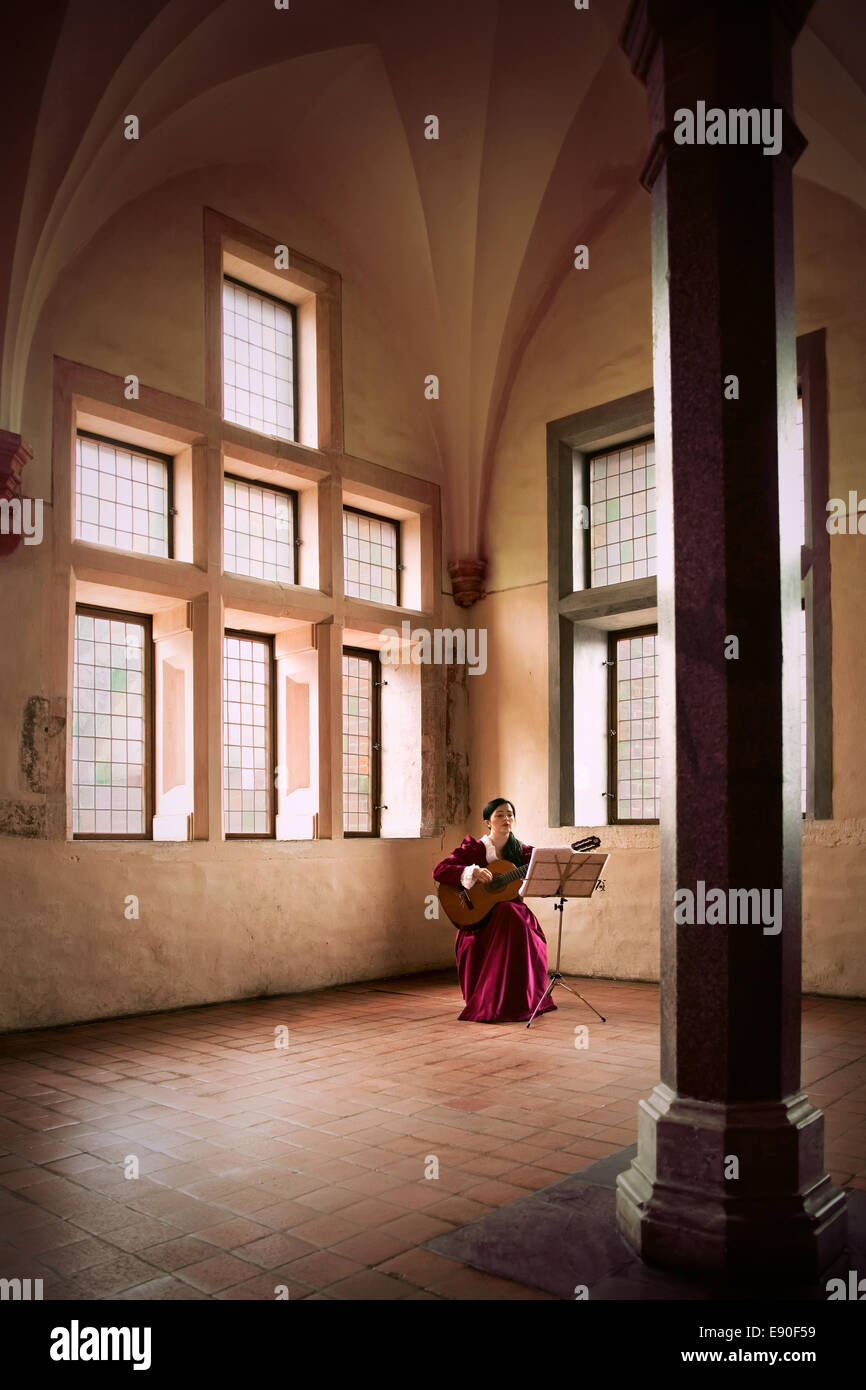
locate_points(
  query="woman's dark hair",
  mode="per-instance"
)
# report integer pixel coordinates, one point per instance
(512, 850)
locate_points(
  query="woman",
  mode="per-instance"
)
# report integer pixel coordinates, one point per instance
(502, 964)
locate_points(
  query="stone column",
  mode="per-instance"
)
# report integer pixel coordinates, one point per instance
(729, 1174)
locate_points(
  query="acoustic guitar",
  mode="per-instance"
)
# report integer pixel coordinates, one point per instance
(467, 907)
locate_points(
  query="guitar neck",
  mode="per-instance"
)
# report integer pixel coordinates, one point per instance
(501, 879)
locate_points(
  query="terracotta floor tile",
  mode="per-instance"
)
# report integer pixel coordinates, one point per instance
(218, 1272)
(328, 1199)
(283, 1216)
(373, 1183)
(494, 1194)
(371, 1247)
(263, 1288)
(419, 1266)
(49, 1236)
(25, 1218)
(368, 1285)
(325, 1230)
(595, 1148)
(174, 1254)
(372, 1212)
(416, 1226)
(163, 1289)
(100, 1216)
(81, 1254)
(531, 1177)
(244, 1155)
(414, 1195)
(324, 1268)
(274, 1249)
(487, 1167)
(567, 1163)
(230, 1234)
(111, 1277)
(141, 1232)
(461, 1210)
(196, 1217)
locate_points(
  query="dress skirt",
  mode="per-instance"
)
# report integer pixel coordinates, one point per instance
(502, 966)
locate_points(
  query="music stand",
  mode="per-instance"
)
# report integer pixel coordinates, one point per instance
(561, 873)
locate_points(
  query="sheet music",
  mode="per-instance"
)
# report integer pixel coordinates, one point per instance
(555, 871)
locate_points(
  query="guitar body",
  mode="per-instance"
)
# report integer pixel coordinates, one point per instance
(467, 907)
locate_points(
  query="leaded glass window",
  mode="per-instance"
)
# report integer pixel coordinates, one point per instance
(360, 743)
(259, 368)
(622, 487)
(122, 497)
(634, 758)
(110, 718)
(371, 556)
(259, 531)
(247, 734)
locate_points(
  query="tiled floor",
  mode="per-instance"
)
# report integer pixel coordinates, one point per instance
(306, 1165)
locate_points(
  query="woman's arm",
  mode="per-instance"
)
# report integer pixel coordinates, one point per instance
(451, 870)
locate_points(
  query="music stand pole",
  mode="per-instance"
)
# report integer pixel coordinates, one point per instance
(556, 978)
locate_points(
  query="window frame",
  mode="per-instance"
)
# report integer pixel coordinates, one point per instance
(296, 541)
(588, 457)
(612, 797)
(167, 459)
(392, 521)
(615, 424)
(376, 745)
(89, 610)
(628, 420)
(271, 727)
(296, 401)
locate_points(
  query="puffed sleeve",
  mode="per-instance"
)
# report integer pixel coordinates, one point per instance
(450, 870)
(527, 852)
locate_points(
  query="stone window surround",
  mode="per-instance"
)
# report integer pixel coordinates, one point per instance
(630, 418)
(194, 593)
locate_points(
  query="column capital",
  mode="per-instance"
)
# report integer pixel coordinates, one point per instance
(648, 21)
(663, 145)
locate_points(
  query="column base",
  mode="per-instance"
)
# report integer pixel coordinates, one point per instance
(781, 1214)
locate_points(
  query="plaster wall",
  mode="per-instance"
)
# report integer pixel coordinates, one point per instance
(217, 920)
(594, 346)
(220, 921)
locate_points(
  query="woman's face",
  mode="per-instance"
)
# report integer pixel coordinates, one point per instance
(501, 822)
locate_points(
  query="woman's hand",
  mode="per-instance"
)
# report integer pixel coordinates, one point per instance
(483, 876)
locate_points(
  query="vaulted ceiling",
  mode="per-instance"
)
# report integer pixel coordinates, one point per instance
(542, 136)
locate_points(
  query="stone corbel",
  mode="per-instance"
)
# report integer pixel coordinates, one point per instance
(14, 453)
(467, 581)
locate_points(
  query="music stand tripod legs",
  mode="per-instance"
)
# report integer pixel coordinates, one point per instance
(557, 978)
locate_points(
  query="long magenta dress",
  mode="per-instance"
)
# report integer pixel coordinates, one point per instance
(502, 965)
